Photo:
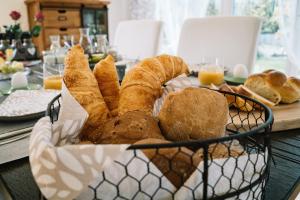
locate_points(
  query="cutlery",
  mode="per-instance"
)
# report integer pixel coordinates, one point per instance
(15, 132)
(9, 140)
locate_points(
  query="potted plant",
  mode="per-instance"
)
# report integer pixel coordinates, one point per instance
(14, 33)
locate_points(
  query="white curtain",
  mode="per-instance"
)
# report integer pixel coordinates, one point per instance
(172, 13)
(290, 27)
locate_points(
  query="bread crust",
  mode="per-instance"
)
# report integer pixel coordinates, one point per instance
(83, 86)
(258, 83)
(141, 86)
(108, 82)
(275, 86)
(128, 129)
(193, 114)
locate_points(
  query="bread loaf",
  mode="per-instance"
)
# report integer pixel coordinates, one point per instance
(177, 164)
(83, 86)
(274, 86)
(243, 90)
(128, 129)
(107, 77)
(194, 114)
(259, 83)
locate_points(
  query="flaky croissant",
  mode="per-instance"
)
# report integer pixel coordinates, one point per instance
(141, 86)
(107, 77)
(83, 86)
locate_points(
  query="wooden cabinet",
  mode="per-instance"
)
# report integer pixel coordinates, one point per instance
(65, 17)
(61, 18)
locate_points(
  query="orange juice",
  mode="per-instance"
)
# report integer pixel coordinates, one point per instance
(53, 82)
(207, 77)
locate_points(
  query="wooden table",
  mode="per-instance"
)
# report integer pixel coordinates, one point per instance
(284, 176)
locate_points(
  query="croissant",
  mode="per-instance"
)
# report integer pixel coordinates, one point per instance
(106, 74)
(83, 86)
(141, 86)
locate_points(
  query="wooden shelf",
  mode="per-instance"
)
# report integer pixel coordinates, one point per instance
(62, 17)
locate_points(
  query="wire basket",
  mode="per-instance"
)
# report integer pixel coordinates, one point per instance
(224, 172)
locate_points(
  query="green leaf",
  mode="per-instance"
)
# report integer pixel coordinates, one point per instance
(35, 31)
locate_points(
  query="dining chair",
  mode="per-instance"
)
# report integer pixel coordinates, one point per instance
(137, 39)
(232, 39)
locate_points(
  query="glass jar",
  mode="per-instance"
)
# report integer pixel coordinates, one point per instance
(85, 40)
(31, 52)
(102, 43)
(55, 42)
(68, 41)
(9, 52)
(3, 43)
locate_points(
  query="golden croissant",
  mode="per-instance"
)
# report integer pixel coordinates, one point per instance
(83, 86)
(141, 86)
(106, 74)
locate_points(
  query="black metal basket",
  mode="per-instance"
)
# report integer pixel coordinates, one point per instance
(250, 128)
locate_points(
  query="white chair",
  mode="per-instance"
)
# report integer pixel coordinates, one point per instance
(231, 39)
(137, 39)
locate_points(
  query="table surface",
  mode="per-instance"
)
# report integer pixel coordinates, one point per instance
(16, 175)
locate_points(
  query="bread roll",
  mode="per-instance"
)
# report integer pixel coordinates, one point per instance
(177, 164)
(128, 129)
(83, 86)
(259, 84)
(194, 114)
(246, 92)
(107, 77)
(290, 90)
(141, 86)
(274, 86)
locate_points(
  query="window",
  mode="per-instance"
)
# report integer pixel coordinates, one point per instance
(271, 52)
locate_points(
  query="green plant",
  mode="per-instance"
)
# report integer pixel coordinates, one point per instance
(15, 31)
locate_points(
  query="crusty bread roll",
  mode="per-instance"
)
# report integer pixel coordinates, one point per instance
(83, 86)
(107, 77)
(141, 86)
(194, 114)
(274, 86)
(177, 164)
(290, 90)
(128, 129)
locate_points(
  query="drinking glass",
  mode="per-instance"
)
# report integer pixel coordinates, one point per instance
(211, 71)
(52, 75)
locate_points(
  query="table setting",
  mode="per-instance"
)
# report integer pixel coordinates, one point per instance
(26, 98)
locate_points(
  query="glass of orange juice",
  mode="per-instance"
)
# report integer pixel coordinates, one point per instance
(211, 73)
(52, 76)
